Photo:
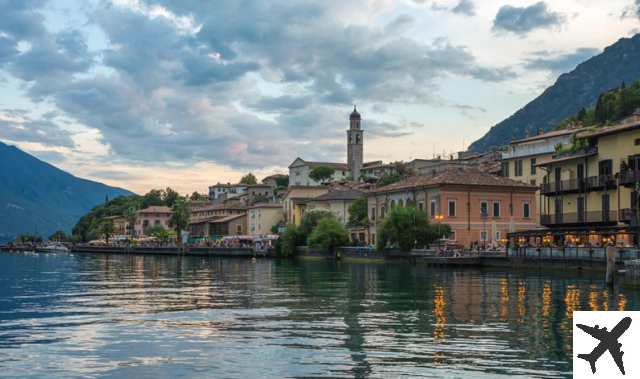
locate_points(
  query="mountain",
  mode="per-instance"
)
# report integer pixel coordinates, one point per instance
(35, 194)
(580, 88)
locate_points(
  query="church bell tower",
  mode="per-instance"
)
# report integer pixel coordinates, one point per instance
(355, 145)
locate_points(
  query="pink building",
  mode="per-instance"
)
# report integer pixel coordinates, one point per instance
(153, 215)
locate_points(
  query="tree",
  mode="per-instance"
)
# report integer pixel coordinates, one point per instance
(599, 110)
(400, 172)
(358, 212)
(163, 236)
(291, 238)
(131, 216)
(179, 219)
(311, 218)
(249, 179)
(58, 236)
(169, 196)
(151, 198)
(328, 234)
(156, 228)
(321, 174)
(282, 180)
(406, 227)
(196, 196)
(107, 229)
(74, 239)
(582, 115)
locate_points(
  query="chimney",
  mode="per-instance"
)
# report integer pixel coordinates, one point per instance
(540, 131)
(527, 134)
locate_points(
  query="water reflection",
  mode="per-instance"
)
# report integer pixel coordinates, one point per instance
(131, 316)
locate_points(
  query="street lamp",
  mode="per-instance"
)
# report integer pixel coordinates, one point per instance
(439, 218)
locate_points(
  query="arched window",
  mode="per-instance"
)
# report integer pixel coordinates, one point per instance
(400, 203)
(393, 204)
(357, 138)
(350, 138)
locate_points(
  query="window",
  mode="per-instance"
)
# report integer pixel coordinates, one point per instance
(452, 208)
(526, 210)
(496, 209)
(453, 236)
(361, 237)
(156, 222)
(497, 236)
(518, 168)
(637, 141)
(533, 166)
(373, 213)
(238, 228)
(383, 211)
(484, 207)
(605, 167)
(483, 236)
(433, 208)
(421, 205)
(533, 182)
(373, 238)
(505, 169)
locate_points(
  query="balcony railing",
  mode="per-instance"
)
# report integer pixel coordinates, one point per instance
(575, 218)
(627, 214)
(600, 181)
(629, 177)
(564, 186)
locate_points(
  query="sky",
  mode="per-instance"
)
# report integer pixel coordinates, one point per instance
(147, 94)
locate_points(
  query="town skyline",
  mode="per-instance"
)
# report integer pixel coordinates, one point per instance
(162, 100)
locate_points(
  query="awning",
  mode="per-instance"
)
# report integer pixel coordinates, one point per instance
(576, 231)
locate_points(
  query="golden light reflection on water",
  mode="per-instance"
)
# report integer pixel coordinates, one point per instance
(622, 302)
(546, 301)
(594, 298)
(438, 311)
(522, 294)
(572, 300)
(504, 299)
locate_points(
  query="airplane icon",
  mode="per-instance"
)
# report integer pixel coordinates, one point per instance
(608, 341)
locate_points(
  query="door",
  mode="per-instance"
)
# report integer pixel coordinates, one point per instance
(558, 211)
(581, 217)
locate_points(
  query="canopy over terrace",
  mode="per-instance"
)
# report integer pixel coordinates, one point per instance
(600, 233)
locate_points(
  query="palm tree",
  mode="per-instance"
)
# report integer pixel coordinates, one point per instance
(107, 229)
(131, 216)
(179, 218)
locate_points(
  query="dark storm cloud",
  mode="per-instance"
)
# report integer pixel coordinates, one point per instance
(562, 63)
(522, 20)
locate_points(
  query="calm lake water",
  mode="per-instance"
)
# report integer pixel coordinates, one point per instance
(69, 315)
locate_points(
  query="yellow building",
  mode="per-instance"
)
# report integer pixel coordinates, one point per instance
(520, 160)
(294, 201)
(588, 192)
(262, 217)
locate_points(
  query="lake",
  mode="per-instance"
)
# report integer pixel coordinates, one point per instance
(110, 316)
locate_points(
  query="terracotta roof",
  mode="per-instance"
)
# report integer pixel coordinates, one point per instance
(471, 177)
(227, 219)
(554, 133)
(349, 194)
(217, 207)
(301, 200)
(156, 209)
(607, 130)
(257, 186)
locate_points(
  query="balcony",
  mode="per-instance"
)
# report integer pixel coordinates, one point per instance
(575, 218)
(594, 183)
(629, 178)
(627, 214)
(564, 186)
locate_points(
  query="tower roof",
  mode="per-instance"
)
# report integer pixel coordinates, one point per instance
(354, 114)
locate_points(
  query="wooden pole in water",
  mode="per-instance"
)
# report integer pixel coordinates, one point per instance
(611, 265)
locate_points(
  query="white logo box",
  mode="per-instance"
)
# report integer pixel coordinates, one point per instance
(598, 340)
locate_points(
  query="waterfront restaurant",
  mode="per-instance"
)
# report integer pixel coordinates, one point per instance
(588, 197)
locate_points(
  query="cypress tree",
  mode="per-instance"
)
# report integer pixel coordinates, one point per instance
(598, 113)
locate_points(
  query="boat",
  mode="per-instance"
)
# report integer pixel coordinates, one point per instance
(53, 247)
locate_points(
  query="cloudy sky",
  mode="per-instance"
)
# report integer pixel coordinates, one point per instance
(185, 93)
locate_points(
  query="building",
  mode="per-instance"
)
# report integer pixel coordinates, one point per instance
(202, 219)
(271, 180)
(154, 215)
(258, 193)
(338, 201)
(119, 222)
(376, 169)
(218, 190)
(520, 160)
(262, 217)
(459, 198)
(233, 225)
(294, 201)
(300, 169)
(355, 145)
(589, 194)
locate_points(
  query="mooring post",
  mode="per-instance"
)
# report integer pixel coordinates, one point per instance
(611, 265)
